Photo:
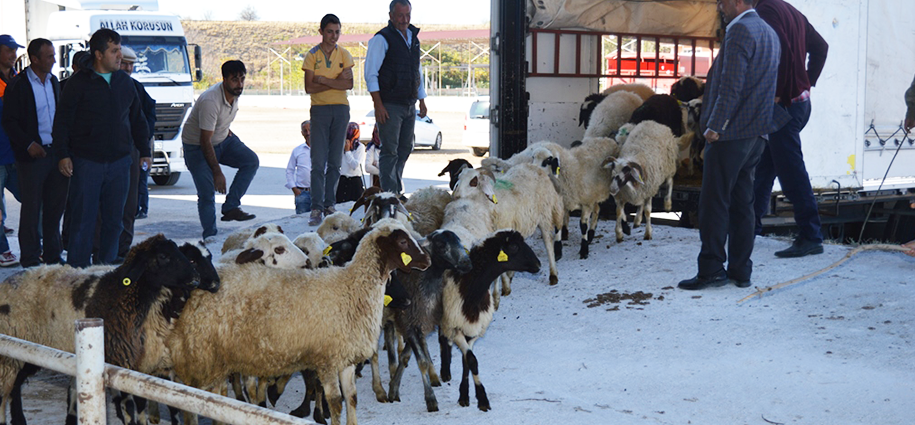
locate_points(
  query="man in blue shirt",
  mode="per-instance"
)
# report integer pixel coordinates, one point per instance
(393, 77)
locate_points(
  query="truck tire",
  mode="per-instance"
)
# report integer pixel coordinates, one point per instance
(166, 180)
(480, 151)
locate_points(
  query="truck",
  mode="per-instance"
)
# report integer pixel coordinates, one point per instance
(549, 55)
(163, 61)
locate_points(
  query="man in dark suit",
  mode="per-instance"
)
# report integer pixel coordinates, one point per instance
(740, 112)
(31, 105)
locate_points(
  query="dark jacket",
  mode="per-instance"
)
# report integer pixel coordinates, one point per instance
(148, 106)
(20, 118)
(398, 78)
(98, 121)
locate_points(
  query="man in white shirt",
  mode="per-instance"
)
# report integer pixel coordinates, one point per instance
(393, 77)
(298, 172)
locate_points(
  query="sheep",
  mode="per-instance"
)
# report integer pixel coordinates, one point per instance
(697, 147)
(237, 240)
(311, 244)
(366, 197)
(587, 108)
(661, 108)
(687, 88)
(426, 207)
(386, 205)
(647, 160)
(454, 168)
(41, 304)
(270, 249)
(337, 226)
(425, 311)
(612, 112)
(467, 306)
(342, 306)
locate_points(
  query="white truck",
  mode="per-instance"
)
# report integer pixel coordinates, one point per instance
(573, 49)
(163, 62)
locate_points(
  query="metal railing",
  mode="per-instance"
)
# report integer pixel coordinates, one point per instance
(93, 376)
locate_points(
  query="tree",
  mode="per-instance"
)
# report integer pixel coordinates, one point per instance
(208, 15)
(249, 13)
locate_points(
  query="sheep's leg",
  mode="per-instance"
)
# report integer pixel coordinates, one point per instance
(376, 380)
(389, 337)
(595, 216)
(394, 391)
(222, 389)
(496, 295)
(261, 395)
(620, 219)
(251, 389)
(584, 224)
(3, 402)
(546, 233)
(471, 365)
(237, 388)
(277, 389)
(331, 382)
(433, 376)
(638, 215)
(425, 369)
(152, 411)
(125, 407)
(565, 225)
(348, 385)
(557, 244)
(507, 282)
(445, 349)
(647, 205)
(305, 408)
(668, 203)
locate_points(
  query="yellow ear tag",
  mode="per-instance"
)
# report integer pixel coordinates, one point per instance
(327, 250)
(406, 258)
(126, 281)
(494, 200)
(387, 300)
(557, 171)
(503, 257)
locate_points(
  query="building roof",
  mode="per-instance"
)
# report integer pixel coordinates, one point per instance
(424, 36)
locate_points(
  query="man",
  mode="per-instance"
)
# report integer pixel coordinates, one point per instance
(138, 175)
(8, 55)
(29, 118)
(298, 172)
(783, 157)
(739, 113)
(393, 77)
(98, 119)
(328, 75)
(208, 142)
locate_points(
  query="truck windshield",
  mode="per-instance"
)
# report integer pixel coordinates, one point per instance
(158, 55)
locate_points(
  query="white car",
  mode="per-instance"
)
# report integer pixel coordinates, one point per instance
(425, 132)
(476, 126)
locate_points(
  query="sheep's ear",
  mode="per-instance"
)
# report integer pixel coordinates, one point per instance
(488, 189)
(248, 256)
(636, 172)
(280, 229)
(609, 163)
(446, 169)
(403, 209)
(260, 231)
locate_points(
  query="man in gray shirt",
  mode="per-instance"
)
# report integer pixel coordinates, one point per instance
(208, 142)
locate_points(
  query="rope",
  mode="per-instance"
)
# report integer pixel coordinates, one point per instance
(877, 247)
(877, 193)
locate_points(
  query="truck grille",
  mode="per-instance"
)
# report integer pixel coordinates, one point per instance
(168, 119)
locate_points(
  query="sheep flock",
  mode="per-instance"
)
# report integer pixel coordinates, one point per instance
(322, 303)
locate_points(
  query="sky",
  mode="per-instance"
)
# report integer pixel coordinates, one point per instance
(361, 11)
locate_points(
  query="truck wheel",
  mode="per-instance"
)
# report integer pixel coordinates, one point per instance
(480, 151)
(167, 180)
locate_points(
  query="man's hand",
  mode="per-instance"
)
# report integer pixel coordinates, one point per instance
(909, 123)
(381, 114)
(911, 247)
(347, 74)
(711, 136)
(296, 191)
(219, 181)
(422, 108)
(36, 151)
(65, 166)
(145, 163)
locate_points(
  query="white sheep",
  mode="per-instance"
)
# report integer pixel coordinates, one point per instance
(647, 160)
(427, 209)
(639, 89)
(311, 244)
(611, 113)
(271, 249)
(235, 330)
(237, 239)
(337, 226)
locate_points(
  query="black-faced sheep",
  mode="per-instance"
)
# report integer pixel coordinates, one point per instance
(663, 109)
(234, 331)
(454, 168)
(41, 305)
(425, 311)
(687, 89)
(468, 307)
(647, 160)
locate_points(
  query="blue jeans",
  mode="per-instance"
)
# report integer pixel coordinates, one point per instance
(396, 145)
(97, 190)
(233, 153)
(784, 159)
(303, 202)
(8, 180)
(328, 131)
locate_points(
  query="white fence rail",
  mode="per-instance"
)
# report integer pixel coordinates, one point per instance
(90, 354)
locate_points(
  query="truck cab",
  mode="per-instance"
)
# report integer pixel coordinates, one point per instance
(163, 66)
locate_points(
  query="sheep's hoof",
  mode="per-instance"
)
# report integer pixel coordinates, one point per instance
(619, 239)
(506, 290)
(434, 381)
(668, 206)
(554, 280)
(445, 375)
(432, 405)
(626, 229)
(565, 233)
(647, 236)
(591, 234)
(583, 252)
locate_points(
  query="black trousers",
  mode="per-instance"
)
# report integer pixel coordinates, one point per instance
(349, 189)
(43, 192)
(726, 215)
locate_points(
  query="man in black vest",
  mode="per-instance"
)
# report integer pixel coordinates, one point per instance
(31, 103)
(394, 79)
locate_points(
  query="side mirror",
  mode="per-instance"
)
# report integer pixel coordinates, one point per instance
(198, 75)
(198, 61)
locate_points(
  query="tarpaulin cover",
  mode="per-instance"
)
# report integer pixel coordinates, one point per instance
(697, 18)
